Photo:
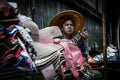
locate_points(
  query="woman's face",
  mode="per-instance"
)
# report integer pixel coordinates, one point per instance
(68, 27)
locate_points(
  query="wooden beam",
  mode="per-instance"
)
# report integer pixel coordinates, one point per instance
(83, 5)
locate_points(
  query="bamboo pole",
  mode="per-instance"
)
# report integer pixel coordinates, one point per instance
(118, 39)
(104, 37)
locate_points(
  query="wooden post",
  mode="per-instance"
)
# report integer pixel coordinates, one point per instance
(104, 37)
(118, 39)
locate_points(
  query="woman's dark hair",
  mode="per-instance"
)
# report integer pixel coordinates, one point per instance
(63, 19)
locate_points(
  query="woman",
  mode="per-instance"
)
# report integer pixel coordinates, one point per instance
(70, 22)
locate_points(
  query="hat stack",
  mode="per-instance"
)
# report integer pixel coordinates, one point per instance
(7, 12)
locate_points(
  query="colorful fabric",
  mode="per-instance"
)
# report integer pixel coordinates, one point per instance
(16, 48)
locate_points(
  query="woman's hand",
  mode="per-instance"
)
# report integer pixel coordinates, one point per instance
(83, 67)
(80, 67)
(87, 65)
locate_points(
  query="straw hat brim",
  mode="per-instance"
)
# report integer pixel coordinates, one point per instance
(50, 32)
(78, 19)
(10, 20)
(45, 49)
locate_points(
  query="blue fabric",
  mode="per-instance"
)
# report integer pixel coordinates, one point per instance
(110, 57)
(82, 46)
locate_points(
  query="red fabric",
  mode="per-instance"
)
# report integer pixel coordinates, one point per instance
(6, 11)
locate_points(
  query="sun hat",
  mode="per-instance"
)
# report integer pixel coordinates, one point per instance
(34, 30)
(13, 4)
(7, 12)
(50, 32)
(45, 49)
(77, 17)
